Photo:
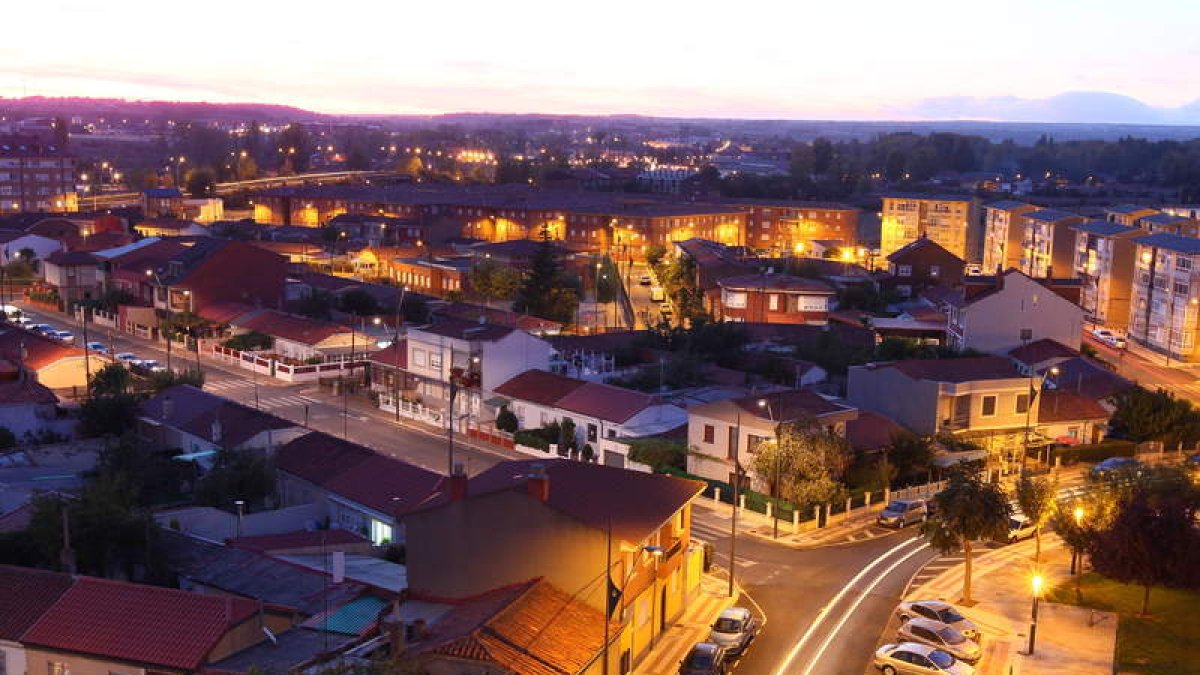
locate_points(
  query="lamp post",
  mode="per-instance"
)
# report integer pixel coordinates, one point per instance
(1078, 513)
(241, 504)
(1037, 592)
(765, 404)
(396, 354)
(737, 484)
(167, 302)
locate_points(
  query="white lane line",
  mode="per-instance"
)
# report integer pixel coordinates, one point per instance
(784, 667)
(858, 601)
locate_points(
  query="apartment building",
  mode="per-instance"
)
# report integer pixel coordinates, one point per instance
(1003, 233)
(786, 227)
(1127, 214)
(1104, 257)
(952, 221)
(35, 176)
(1165, 300)
(1169, 222)
(1048, 243)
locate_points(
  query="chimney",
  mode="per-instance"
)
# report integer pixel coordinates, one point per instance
(538, 483)
(457, 483)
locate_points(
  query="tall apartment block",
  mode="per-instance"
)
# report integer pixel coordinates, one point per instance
(1003, 232)
(1165, 301)
(1104, 257)
(1048, 245)
(35, 176)
(951, 221)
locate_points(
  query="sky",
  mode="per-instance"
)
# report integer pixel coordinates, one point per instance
(798, 59)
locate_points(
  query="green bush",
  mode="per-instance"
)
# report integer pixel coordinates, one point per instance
(506, 420)
(1096, 452)
(658, 453)
(531, 438)
(250, 341)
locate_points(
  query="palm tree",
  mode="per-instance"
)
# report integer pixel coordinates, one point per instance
(1036, 497)
(967, 510)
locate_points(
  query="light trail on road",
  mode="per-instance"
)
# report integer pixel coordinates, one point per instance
(784, 667)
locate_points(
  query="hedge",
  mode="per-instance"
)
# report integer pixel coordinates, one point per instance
(531, 439)
(1096, 452)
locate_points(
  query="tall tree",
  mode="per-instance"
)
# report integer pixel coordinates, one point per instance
(295, 146)
(547, 291)
(1036, 497)
(806, 462)
(967, 510)
(201, 182)
(495, 281)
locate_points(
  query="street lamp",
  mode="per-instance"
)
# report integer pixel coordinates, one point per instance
(241, 504)
(1037, 592)
(765, 404)
(1078, 513)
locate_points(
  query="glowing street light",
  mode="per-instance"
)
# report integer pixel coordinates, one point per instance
(1036, 582)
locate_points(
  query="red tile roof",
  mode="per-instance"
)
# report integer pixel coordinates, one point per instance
(916, 245)
(392, 355)
(463, 329)
(533, 628)
(147, 625)
(27, 594)
(785, 283)
(539, 386)
(957, 370)
(224, 312)
(196, 412)
(787, 406)
(606, 402)
(871, 431)
(301, 539)
(25, 390)
(290, 327)
(635, 504)
(1065, 405)
(357, 473)
(1042, 350)
(35, 351)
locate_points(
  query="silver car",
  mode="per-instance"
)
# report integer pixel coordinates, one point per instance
(941, 612)
(945, 638)
(734, 629)
(910, 657)
(903, 512)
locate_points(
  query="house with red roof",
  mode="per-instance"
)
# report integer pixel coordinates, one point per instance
(363, 491)
(53, 364)
(774, 298)
(719, 430)
(1000, 313)
(201, 424)
(300, 338)
(562, 521)
(77, 624)
(599, 411)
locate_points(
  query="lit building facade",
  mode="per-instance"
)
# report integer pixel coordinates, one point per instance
(1003, 231)
(1104, 255)
(1165, 304)
(951, 221)
(36, 177)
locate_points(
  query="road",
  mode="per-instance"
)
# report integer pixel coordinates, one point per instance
(306, 404)
(1148, 369)
(644, 308)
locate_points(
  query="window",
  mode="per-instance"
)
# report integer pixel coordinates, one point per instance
(1183, 264)
(1022, 403)
(419, 357)
(904, 270)
(773, 302)
(735, 300)
(1073, 432)
(1181, 288)
(435, 360)
(989, 406)
(710, 433)
(57, 668)
(935, 270)
(591, 433)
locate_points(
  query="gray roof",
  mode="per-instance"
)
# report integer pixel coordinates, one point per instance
(1171, 242)
(1104, 228)
(1163, 219)
(929, 197)
(1125, 208)
(1006, 205)
(1050, 215)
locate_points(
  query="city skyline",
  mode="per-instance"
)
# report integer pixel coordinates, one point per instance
(851, 61)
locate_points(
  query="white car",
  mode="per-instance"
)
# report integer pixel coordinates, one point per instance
(148, 365)
(910, 657)
(64, 336)
(126, 357)
(1109, 338)
(1019, 527)
(98, 347)
(942, 612)
(23, 321)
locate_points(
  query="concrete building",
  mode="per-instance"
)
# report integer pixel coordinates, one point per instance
(1104, 261)
(718, 430)
(1165, 298)
(921, 264)
(775, 298)
(35, 176)
(1048, 244)
(951, 221)
(1013, 309)
(1127, 214)
(1003, 233)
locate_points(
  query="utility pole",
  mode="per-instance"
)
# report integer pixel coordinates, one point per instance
(737, 475)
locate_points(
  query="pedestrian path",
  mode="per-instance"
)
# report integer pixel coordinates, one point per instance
(268, 398)
(691, 627)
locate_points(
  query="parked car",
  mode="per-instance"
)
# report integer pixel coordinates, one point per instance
(1019, 527)
(22, 321)
(941, 636)
(1109, 338)
(645, 280)
(98, 347)
(903, 512)
(942, 612)
(147, 365)
(734, 630)
(64, 336)
(657, 294)
(704, 658)
(41, 328)
(1114, 466)
(910, 657)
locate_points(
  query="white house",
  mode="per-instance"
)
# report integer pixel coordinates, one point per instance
(1013, 311)
(301, 338)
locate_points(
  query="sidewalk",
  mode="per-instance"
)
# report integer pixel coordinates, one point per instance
(1070, 640)
(690, 628)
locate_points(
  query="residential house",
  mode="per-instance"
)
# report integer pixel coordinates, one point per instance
(775, 298)
(872, 432)
(561, 521)
(984, 400)
(300, 338)
(1042, 355)
(1069, 417)
(201, 424)
(599, 411)
(951, 221)
(1169, 222)
(28, 594)
(1165, 299)
(531, 627)
(53, 364)
(162, 202)
(1004, 233)
(170, 227)
(1049, 242)
(378, 230)
(75, 275)
(722, 430)
(362, 490)
(1104, 261)
(466, 359)
(920, 264)
(28, 408)
(1009, 310)
(439, 277)
(98, 626)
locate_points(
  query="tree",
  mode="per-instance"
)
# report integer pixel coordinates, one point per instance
(547, 291)
(506, 420)
(1037, 497)
(654, 254)
(168, 378)
(238, 474)
(316, 305)
(658, 453)
(109, 415)
(359, 303)
(152, 475)
(1144, 415)
(247, 167)
(805, 462)
(495, 281)
(295, 147)
(201, 182)
(967, 510)
(910, 455)
(111, 380)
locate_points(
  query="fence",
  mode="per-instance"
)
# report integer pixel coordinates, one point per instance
(412, 410)
(308, 372)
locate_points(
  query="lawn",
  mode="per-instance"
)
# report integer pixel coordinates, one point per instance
(1165, 643)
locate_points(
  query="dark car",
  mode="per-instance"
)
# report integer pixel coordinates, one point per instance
(705, 658)
(1115, 466)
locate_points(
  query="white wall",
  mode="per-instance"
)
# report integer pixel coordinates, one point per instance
(993, 324)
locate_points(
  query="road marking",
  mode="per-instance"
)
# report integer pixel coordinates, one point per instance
(785, 667)
(858, 601)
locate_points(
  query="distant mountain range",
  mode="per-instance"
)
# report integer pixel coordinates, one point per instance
(1079, 107)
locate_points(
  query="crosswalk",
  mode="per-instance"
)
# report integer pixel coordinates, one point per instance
(269, 398)
(712, 528)
(945, 562)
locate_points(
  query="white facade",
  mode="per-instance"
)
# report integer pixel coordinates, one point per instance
(1020, 312)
